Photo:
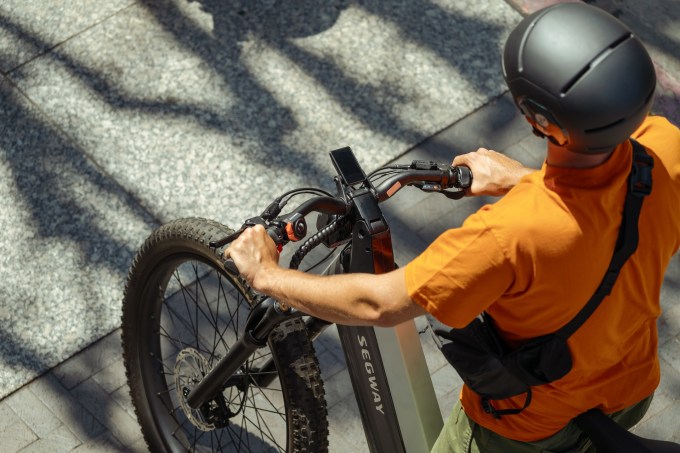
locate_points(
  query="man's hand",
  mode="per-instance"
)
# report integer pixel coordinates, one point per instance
(253, 253)
(493, 173)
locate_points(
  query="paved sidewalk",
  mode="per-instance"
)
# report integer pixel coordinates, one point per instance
(116, 162)
(118, 117)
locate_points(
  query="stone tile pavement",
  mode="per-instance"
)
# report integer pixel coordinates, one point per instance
(116, 118)
(82, 404)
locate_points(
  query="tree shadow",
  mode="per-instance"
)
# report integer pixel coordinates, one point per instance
(60, 186)
(68, 210)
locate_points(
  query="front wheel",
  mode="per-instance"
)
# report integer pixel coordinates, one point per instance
(181, 313)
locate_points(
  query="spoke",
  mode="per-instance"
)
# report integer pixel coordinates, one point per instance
(269, 433)
(184, 293)
(275, 410)
(185, 318)
(228, 429)
(269, 411)
(245, 417)
(180, 425)
(218, 336)
(195, 299)
(213, 318)
(197, 283)
(216, 317)
(170, 311)
(261, 389)
(181, 345)
(218, 435)
(264, 373)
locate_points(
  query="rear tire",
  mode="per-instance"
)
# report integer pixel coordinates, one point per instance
(181, 313)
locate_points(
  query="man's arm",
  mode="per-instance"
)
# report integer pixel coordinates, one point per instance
(493, 173)
(353, 299)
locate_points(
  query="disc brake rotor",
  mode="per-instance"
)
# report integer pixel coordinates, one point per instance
(190, 368)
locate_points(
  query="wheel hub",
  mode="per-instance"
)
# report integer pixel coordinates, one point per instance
(190, 368)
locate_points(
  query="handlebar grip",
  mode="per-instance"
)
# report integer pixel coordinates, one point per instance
(230, 266)
(273, 232)
(462, 177)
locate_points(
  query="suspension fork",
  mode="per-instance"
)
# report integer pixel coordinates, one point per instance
(266, 374)
(262, 321)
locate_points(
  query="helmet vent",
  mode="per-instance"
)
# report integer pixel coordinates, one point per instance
(594, 62)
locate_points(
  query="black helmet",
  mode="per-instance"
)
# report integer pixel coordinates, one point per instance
(580, 76)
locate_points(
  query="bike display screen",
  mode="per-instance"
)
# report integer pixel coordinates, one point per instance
(347, 166)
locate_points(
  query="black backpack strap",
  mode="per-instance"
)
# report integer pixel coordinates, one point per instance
(639, 186)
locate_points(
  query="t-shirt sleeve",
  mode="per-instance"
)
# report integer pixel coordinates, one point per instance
(460, 274)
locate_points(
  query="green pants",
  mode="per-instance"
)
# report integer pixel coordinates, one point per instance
(462, 435)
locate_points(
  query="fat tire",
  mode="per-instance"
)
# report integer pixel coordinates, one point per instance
(186, 240)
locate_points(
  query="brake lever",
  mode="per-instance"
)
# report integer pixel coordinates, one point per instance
(227, 239)
(453, 195)
(456, 194)
(233, 236)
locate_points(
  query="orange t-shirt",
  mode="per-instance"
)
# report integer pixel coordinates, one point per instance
(534, 258)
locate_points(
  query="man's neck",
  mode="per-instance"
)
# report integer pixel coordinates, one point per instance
(562, 157)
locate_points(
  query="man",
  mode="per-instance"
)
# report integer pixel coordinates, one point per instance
(535, 257)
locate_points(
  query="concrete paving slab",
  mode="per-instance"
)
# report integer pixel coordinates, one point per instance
(146, 111)
(61, 440)
(109, 413)
(67, 407)
(17, 436)
(68, 235)
(177, 99)
(7, 416)
(33, 413)
(90, 361)
(31, 28)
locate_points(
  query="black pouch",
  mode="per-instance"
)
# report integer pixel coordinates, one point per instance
(476, 352)
(540, 361)
(491, 369)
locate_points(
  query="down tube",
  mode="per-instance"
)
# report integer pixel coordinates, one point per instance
(396, 399)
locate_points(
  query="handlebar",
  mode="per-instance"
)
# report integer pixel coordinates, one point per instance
(426, 175)
(422, 173)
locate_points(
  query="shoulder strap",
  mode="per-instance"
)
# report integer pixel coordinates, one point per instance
(639, 186)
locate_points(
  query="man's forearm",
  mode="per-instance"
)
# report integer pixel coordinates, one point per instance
(353, 299)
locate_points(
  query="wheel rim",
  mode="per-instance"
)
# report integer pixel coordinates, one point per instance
(197, 314)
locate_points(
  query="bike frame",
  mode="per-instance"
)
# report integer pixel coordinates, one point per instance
(387, 367)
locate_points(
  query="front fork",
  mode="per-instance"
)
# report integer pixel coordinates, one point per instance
(264, 318)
